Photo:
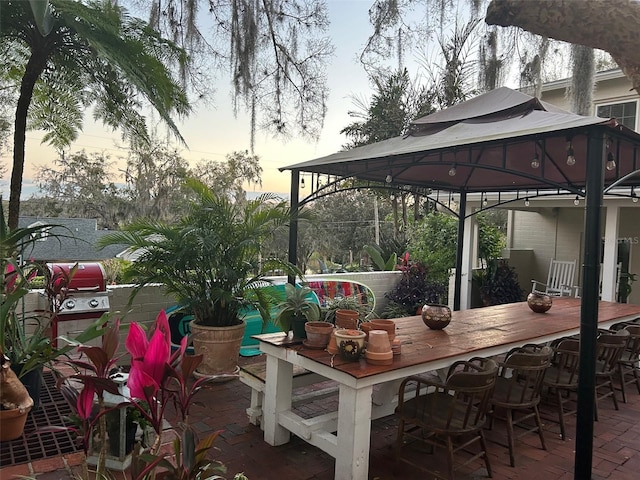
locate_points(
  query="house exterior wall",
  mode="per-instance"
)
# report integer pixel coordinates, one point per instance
(557, 233)
(553, 229)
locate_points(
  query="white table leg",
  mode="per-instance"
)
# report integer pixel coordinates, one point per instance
(354, 429)
(277, 398)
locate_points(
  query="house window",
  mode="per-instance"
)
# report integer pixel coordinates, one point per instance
(625, 113)
(41, 235)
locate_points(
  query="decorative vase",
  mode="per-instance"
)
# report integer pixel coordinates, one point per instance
(297, 326)
(350, 343)
(436, 316)
(387, 325)
(347, 319)
(318, 333)
(539, 302)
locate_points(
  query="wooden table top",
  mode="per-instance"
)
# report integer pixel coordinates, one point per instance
(469, 331)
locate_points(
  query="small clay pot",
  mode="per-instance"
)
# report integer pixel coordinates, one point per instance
(347, 319)
(383, 324)
(332, 346)
(350, 343)
(366, 327)
(378, 342)
(318, 333)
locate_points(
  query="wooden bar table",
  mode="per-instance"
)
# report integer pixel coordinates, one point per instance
(478, 332)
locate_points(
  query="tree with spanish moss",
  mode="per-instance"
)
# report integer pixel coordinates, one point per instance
(63, 56)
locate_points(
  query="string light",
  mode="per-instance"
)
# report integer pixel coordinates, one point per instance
(452, 170)
(485, 201)
(577, 200)
(526, 202)
(388, 178)
(535, 163)
(634, 197)
(611, 162)
(302, 185)
(571, 159)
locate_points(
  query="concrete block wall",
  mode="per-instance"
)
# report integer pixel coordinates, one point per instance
(152, 299)
(379, 282)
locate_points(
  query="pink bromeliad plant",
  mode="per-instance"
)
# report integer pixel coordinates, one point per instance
(159, 377)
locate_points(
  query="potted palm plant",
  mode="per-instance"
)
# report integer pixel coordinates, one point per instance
(211, 260)
(298, 307)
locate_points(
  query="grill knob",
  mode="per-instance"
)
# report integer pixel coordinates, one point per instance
(93, 303)
(69, 304)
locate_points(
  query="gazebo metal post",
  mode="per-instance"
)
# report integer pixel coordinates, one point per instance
(294, 199)
(596, 156)
(462, 208)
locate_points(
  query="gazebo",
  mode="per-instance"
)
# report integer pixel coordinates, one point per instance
(513, 146)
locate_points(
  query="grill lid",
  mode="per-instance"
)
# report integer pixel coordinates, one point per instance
(89, 277)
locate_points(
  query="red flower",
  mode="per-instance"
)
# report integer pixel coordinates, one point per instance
(149, 359)
(84, 403)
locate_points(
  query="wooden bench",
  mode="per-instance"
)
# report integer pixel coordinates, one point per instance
(254, 376)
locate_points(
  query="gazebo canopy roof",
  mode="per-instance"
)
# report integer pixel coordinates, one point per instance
(489, 143)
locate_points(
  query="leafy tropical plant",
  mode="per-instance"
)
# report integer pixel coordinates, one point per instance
(93, 372)
(158, 378)
(415, 288)
(499, 283)
(298, 302)
(345, 303)
(210, 259)
(380, 264)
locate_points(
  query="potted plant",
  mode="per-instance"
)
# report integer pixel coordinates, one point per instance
(299, 306)
(211, 260)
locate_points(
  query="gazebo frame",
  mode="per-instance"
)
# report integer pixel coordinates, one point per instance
(501, 142)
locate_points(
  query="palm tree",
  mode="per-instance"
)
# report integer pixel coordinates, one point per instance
(69, 56)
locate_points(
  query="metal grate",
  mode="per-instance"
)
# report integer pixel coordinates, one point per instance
(34, 446)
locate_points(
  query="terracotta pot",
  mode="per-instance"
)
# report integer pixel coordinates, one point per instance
(318, 333)
(220, 347)
(539, 302)
(12, 423)
(366, 327)
(436, 316)
(387, 325)
(332, 346)
(347, 319)
(350, 343)
(378, 342)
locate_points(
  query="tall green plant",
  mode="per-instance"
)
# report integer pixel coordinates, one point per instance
(210, 259)
(83, 54)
